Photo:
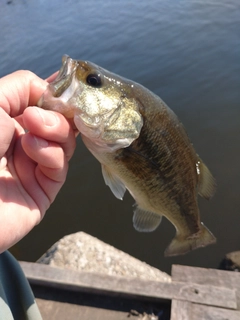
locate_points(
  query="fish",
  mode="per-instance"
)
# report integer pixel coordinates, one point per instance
(141, 145)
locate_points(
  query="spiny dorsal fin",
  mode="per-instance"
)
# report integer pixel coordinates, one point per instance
(114, 183)
(145, 221)
(206, 182)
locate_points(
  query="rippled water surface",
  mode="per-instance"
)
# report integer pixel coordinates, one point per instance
(187, 52)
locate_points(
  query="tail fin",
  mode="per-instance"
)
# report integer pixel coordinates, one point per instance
(181, 245)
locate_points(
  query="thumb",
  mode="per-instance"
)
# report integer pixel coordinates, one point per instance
(7, 128)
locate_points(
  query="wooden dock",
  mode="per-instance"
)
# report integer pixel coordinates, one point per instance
(193, 294)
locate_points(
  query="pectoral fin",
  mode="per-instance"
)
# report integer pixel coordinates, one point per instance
(115, 184)
(206, 182)
(145, 221)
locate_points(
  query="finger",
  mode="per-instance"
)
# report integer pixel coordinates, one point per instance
(52, 77)
(7, 128)
(19, 90)
(39, 181)
(51, 186)
(24, 168)
(51, 126)
(52, 165)
(46, 153)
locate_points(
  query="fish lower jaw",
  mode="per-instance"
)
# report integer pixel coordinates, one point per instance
(95, 138)
(48, 102)
(89, 130)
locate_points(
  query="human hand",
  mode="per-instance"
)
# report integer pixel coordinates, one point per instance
(35, 147)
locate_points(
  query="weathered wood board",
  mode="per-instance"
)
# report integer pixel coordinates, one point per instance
(195, 294)
(219, 278)
(59, 304)
(91, 282)
(57, 310)
(186, 310)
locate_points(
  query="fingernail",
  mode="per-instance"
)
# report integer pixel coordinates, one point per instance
(41, 142)
(49, 118)
(3, 162)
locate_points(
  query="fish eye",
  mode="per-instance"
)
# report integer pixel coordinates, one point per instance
(94, 80)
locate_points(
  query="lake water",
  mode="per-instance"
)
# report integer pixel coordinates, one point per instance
(187, 52)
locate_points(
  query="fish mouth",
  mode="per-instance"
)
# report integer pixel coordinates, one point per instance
(58, 93)
(64, 78)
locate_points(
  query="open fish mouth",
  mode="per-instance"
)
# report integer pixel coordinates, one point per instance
(63, 81)
(61, 90)
(64, 78)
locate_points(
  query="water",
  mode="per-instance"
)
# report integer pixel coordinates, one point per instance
(187, 52)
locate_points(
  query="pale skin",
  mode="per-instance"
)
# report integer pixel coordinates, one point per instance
(35, 147)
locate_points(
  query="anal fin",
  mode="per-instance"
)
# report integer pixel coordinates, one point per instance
(145, 221)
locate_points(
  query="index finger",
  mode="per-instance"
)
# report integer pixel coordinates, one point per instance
(51, 126)
(52, 77)
(19, 90)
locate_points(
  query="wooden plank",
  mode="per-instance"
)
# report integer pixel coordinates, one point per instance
(57, 304)
(91, 282)
(55, 310)
(200, 312)
(184, 310)
(206, 294)
(181, 310)
(219, 278)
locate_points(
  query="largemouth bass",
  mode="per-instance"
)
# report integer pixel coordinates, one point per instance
(141, 145)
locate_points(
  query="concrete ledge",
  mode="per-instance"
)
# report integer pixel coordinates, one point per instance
(83, 252)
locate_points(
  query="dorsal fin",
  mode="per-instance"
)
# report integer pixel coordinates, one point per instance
(115, 184)
(145, 221)
(206, 182)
